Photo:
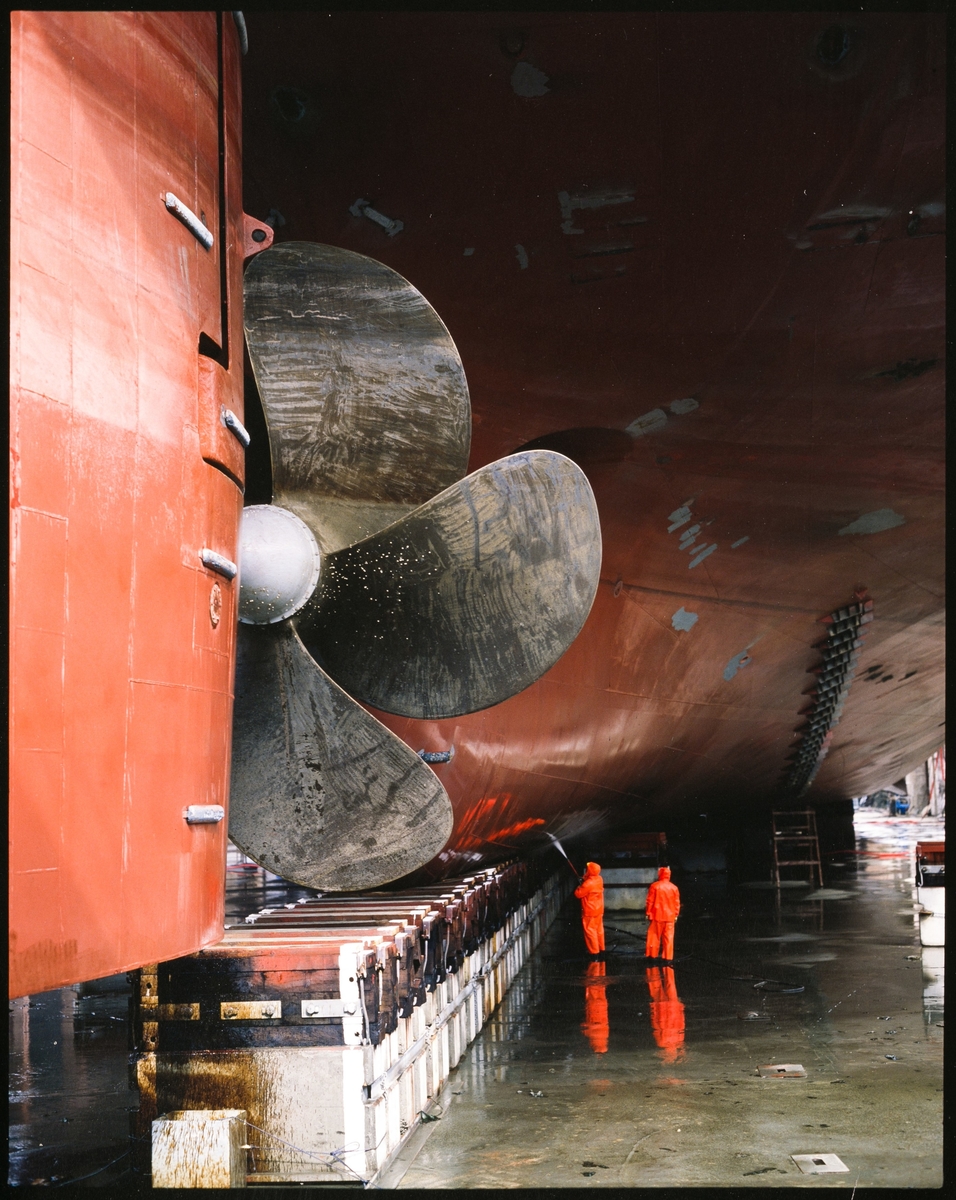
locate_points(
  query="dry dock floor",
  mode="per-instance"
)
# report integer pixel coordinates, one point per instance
(676, 1099)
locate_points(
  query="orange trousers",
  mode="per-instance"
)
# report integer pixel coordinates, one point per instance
(660, 940)
(593, 934)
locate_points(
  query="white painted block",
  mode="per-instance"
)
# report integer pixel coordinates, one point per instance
(933, 899)
(199, 1148)
(616, 875)
(618, 899)
(932, 929)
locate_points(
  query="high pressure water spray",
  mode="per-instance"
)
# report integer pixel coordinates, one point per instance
(563, 854)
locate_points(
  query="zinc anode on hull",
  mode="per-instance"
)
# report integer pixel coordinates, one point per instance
(122, 641)
(722, 251)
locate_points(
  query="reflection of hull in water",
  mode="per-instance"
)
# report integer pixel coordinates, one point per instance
(707, 265)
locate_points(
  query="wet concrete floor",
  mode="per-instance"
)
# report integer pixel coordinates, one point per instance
(69, 1095)
(69, 1091)
(626, 1078)
(613, 1074)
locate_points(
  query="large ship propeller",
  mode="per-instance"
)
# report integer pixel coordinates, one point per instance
(360, 583)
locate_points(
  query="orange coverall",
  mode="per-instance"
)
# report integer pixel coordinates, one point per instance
(663, 905)
(591, 895)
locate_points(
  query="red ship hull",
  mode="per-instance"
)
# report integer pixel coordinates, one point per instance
(122, 640)
(700, 254)
(708, 207)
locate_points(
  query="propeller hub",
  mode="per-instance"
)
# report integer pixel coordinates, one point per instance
(279, 564)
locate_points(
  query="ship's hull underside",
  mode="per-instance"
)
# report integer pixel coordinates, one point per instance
(706, 264)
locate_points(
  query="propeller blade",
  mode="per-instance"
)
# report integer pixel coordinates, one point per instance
(322, 793)
(362, 387)
(468, 599)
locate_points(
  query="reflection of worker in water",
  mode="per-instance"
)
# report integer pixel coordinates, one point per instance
(663, 905)
(667, 1013)
(591, 895)
(595, 1024)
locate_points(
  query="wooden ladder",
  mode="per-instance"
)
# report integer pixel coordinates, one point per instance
(796, 833)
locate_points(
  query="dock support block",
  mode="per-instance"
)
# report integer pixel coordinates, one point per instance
(200, 1148)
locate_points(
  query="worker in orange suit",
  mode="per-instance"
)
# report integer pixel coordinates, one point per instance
(667, 1013)
(591, 895)
(595, 1024)
(663, 905)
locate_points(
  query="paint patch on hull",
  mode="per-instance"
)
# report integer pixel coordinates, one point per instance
(683, 620)
(874, 522)
(647, 423)
(527, 80)
(698, 559)
(738, 661)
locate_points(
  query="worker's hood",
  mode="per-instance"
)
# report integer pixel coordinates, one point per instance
(662, 872)
(592, 869)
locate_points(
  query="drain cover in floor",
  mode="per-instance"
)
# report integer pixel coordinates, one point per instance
(819, 1164)
(783, 1071)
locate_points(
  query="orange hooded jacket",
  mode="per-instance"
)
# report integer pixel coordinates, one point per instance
(663, 898)
(591, 892)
